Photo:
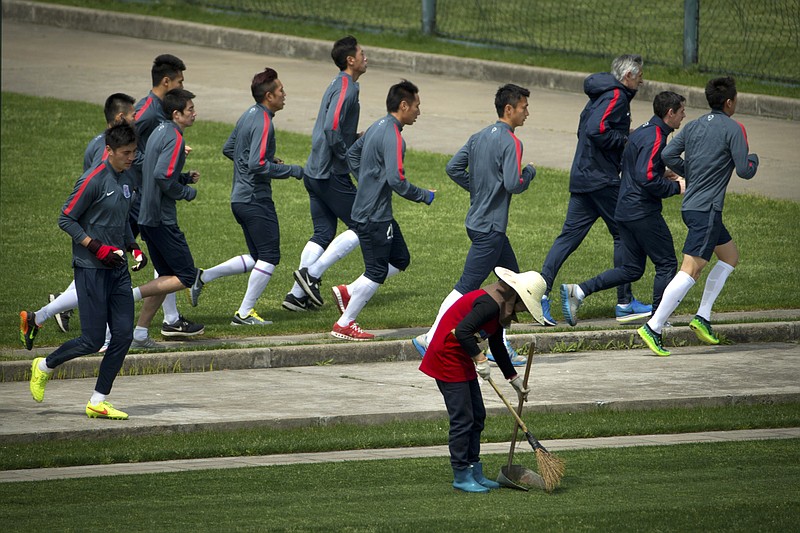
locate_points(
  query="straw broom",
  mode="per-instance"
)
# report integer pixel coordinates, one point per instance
(551, 468)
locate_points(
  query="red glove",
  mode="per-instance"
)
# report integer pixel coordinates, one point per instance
(110, 256)
(138, 256)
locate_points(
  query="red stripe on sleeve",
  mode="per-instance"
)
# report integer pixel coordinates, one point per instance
(77, 196)
(399, 153)
(653, 154)
(262, 152)
(144, 107)
(608, 111)
(339, 104)
(175, 154)
(518, 148)
(744, 132)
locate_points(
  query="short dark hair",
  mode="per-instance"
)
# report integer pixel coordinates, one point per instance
(119, 135)
(719, 91)
(342, 49)
(176, 100)
(262, 83)
(166, 65)
(666, 100)
(405, 91)
(509, 94)
(115, 104)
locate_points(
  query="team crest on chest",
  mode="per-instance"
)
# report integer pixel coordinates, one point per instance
(126, 191)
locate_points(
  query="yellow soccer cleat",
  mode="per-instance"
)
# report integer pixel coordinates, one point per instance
(702, 328)
(104, 410)
(39, 380)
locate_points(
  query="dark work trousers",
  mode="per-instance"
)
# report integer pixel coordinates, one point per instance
(104, 297)
(640, 239)
(467, 415)
(582, 212)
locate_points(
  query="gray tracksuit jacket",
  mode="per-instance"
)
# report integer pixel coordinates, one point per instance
(376, 159)
(251, 147)
(95, 152)
(490, 167)
(98, 208)
(162, 183)
(712, 146)
(149, 115)
(335, 130)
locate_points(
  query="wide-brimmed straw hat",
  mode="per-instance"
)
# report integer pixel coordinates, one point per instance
(530, 286)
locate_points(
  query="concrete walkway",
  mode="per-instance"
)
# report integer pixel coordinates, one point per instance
(523, 458)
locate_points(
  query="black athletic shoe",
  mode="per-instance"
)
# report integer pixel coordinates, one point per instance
(27, 328)
(62, 318)
(310, 285)
(182, 328)
(293, 303)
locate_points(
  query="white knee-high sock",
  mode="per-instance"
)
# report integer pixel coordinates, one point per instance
(448, 301)
(393, 271)
(342, 245)
(311, 252)
(673, 294)
(170, 308)
(259, 277)
(241, 264)
(714, 283)
(363, 290)
(65, 301)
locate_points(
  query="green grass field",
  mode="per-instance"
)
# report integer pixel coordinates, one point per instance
(738, 486)
(40, 166)
(652, 29)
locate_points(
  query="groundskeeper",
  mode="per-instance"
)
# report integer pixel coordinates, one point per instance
(455, 359)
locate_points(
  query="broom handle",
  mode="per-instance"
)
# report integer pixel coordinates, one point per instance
(508, 405)
(519, 409)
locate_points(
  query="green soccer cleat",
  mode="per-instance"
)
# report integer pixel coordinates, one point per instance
(39, 380)
(652, 340)
(27, 328)
(702, 328)
(104, 410)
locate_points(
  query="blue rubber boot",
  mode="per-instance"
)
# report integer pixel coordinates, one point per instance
(463, 480)
(477, 475)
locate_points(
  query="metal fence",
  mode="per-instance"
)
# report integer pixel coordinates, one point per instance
(755, 38)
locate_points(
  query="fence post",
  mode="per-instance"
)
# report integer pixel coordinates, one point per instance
(428, 17)
(691, 28)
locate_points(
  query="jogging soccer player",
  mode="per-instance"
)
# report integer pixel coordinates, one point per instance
(251, 146)
(643, 232)
(489, 166)
(327, 177)
(376, 159)
(118, 109)
(167, 74)
(455, 360)
(594, 181)
(712, 147)
(163, 184)
(96, 217)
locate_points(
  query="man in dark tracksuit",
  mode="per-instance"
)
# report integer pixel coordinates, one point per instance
(377, 161)
(251, 146)
(712, 147)
(96, 217)
(118, 109)
(490, 167)
(643, 231)
(594, 178)
(162, 185)
(327, 177)
(167, 74)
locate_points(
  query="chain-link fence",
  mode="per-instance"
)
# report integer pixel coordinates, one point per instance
(756, 38)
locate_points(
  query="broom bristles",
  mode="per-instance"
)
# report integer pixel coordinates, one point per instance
(551, 469)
